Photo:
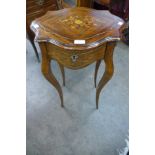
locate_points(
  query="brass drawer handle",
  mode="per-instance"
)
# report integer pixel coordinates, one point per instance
(74, 58)
(40, 2)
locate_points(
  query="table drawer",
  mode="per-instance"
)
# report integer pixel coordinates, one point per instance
(75, 59)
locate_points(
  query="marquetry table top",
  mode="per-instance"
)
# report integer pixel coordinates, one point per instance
(64, 27)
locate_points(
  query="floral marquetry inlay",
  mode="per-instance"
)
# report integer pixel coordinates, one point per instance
(79, 23)
(65, 26)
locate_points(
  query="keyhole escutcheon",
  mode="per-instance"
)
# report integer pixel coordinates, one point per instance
(74, 58)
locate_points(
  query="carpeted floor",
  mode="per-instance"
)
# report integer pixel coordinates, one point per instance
(77, 129)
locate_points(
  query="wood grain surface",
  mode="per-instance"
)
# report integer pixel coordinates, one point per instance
(64, 26)
(82, 58)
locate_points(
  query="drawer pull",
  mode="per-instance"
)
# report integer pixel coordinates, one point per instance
(74, 58)
(40, 2)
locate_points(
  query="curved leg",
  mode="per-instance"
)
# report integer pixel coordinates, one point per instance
(60, 4)
(47, 72)
(62, 72)
(35, 50)
(33, 45)
(96, 71)
(109, 69)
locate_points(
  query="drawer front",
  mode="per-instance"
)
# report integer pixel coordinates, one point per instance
(75, 59)
(36, 8)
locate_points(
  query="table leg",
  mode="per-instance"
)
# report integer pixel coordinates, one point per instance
(47, 71)
(31, 39)
(62, 72)
(109, 69)
(96, 71)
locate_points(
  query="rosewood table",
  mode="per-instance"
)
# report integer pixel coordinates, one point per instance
(75, 38)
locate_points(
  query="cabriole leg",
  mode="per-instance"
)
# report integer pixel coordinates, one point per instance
(62, 73)
(47, 72)
(96, 71)
(109, 69)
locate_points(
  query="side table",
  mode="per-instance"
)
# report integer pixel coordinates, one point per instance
(75, 38)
